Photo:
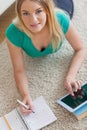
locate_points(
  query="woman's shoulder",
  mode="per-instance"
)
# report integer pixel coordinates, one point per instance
(14, 34)
(60, 14)
(13, 29)
(63, 19)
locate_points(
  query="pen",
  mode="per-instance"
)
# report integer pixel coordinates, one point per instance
(25, 106)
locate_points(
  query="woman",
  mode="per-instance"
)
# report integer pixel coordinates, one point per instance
(39, 30)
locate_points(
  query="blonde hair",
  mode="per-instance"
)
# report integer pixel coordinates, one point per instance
(52, 22)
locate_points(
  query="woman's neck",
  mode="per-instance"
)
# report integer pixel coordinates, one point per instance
(42, 38)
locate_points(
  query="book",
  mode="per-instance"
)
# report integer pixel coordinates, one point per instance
(81, 112)
(78, 106)
(42, 117)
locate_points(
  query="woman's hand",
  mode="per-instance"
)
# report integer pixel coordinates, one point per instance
(72, 85)
(27, 101)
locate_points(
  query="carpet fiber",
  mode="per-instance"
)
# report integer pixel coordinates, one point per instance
(46, 76)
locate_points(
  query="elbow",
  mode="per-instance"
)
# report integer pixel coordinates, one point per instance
(81, 53)
(82, 50)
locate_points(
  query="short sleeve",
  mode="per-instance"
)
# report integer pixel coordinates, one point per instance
(64, 20)
(14, 35)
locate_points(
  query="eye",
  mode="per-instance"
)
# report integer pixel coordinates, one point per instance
(39, 11)
(25, 13)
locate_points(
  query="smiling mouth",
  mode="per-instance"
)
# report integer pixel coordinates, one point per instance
(35, 25)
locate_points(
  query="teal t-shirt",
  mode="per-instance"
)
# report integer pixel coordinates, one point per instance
(22, 40)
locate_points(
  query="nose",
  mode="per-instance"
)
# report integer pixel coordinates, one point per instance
(34, 18)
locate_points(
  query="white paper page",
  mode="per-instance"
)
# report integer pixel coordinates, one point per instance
(15, 121)
(42, 116)
(3, 125)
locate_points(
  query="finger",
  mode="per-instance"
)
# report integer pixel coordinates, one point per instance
(79, 84)
(71, 92)
(27, 103)
(25, 111)
(69, 88)
(29, 106)
(76, 86)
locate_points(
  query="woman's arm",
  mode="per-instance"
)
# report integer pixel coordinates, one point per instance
(19, 73)
(78, 57)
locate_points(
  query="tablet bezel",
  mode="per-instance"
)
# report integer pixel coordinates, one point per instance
(59, 101)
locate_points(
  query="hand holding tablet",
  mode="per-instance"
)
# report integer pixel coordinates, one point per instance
(73, 103)
(79, 94)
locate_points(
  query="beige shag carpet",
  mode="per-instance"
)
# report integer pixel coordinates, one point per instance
(46, 76)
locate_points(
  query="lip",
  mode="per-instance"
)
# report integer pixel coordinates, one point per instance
(35, 25)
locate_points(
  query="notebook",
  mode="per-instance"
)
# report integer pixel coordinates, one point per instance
(42, 117)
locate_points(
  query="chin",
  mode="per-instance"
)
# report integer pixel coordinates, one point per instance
(36, 31)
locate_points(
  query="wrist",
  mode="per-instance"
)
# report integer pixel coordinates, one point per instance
(25, 91)
(70, 75)
(69, 78)
(26, 95)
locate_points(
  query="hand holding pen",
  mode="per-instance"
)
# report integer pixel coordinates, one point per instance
(26, 106)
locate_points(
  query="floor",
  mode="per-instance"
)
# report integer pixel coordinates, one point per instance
(5, 20)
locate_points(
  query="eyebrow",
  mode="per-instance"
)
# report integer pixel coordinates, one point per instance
(28, 11)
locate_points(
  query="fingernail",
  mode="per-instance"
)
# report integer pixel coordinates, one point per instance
(72, 94)
(76, 90)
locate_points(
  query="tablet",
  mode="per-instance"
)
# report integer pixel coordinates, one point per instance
(72, 104)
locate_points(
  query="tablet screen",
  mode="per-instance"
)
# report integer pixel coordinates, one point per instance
(73, 103)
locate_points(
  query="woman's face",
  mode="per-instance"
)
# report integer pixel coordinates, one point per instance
(33, 16)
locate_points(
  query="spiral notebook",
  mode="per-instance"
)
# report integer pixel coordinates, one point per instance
(42, 117)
